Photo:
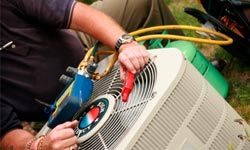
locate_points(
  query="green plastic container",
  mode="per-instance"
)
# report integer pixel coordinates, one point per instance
(190, 51)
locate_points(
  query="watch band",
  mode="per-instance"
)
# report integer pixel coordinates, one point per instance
(118, 44)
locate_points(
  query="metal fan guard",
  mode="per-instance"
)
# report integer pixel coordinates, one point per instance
(126, 114)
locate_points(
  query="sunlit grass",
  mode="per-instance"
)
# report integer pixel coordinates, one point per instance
(237, 74)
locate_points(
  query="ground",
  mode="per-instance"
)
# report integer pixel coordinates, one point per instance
(236, 73)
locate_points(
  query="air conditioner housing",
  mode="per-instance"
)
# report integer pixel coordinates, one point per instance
(171, 107)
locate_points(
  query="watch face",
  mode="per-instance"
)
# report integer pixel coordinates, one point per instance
(126, 38)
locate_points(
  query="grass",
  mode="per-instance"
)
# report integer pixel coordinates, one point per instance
(235, 73)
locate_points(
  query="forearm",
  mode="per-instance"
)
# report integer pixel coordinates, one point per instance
(96, 24)
(132, 56)
(15, 139)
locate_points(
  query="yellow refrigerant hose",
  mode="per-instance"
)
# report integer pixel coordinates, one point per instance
(225, 41)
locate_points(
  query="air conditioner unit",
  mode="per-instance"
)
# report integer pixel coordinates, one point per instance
(171, 107)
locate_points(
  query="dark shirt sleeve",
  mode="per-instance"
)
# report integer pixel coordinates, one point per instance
(9, 119)
(52, 13)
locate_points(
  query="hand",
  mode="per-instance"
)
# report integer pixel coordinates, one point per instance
(133, 57)
(61, 137)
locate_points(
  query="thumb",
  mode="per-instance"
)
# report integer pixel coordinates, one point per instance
(74, 124)
(69, 124)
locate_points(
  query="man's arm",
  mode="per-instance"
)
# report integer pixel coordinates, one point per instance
(132, 56)
(103, 28)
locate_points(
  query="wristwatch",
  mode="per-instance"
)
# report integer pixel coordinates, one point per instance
(124, 39)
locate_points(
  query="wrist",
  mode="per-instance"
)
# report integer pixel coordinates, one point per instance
(123, 40)
(29, 144)
(37, 144)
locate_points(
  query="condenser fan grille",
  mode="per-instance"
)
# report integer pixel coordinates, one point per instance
(125, 114)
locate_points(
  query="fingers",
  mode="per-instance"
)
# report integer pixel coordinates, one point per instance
(122, 72)
(73, 147)
(134, 57)
(124, 60)
(62, 136)
(145, 56)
